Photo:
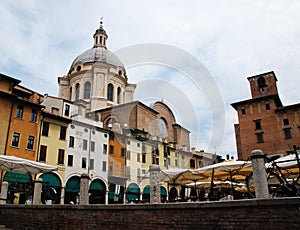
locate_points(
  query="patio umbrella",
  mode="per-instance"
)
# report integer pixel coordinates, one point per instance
(23, 166)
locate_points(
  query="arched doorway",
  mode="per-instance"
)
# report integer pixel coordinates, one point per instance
(146, 194)
(133, 193)
(72, 190)
(163, 194)
(173, 194)
(97, 192)
(20, 187)
(51, 188)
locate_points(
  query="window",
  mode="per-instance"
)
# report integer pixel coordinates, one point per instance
(128, 171)
(45, 131)
(260, 137)
(70, 160)
(268, 107)
(122, 152)
(83, 162)
(111, 149)
(243, 111)
(71, 142)
(84, 147)
(138, 145)
(103, 166)
(257, 124)
(91, 164)
(287, 133)
(63, 131)
(286, 121)
(30, 142)
(261, 82)
(15, 140)
(61, 156)
(87, 90)
(78, 68)
(77, 89)
(104, 149)
(43, 153)
(33, 116)
(67, 110)
(128, 155)
(19, 113)
(144, 158)
(138, 157)
(119, 95)
(92, 146)
(128, 142)
(110, 92)
(192, 163)
(143, 147)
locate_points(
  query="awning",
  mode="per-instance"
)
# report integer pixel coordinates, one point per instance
(147, 190)
(51, 179)
(97, 185)
(133, 192)
(17, 177)
(73, 184)
(163, 191)
(20, 165)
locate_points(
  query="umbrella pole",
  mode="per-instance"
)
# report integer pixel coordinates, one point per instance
(211, 184)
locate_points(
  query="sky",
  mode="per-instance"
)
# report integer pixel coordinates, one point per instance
(231, 40)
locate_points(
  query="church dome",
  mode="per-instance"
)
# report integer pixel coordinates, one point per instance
(98, 54)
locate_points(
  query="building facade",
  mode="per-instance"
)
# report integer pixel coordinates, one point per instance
(264, 123)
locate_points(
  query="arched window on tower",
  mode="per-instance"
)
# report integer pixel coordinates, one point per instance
(261, 82)
(87, 90)
(77, 88)
(70, 93)
(110, 92)
(119, 95)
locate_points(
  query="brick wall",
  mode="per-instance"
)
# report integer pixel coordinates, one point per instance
(242, 214)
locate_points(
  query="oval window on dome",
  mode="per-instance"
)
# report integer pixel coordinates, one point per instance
(78, 68)
(120, 72)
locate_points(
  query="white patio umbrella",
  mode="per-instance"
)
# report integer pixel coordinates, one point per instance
(24, 166)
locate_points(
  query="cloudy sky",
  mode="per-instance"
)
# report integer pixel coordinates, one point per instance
(232, 39)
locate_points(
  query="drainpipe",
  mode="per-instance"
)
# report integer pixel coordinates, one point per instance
(8, 128)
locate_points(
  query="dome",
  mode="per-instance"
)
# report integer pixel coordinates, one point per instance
(98, 54)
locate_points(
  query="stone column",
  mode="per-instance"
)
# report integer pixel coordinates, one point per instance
(84, 189)
(259, 174)
(37, 199)
(154, 184)
(62, 195)
(106, 197)
(3, 196)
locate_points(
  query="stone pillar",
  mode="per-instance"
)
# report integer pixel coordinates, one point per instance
(106, 197)
(84, 189)
(259, 174)
(37, 194)
(3, 196)
(154, 184)
(62, 195)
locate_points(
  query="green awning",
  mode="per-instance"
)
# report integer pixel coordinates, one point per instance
(147, 190)
(163, 191)
(50, 179)
(17, 177)
(133, 192)
(97, 185)
(73, 184)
